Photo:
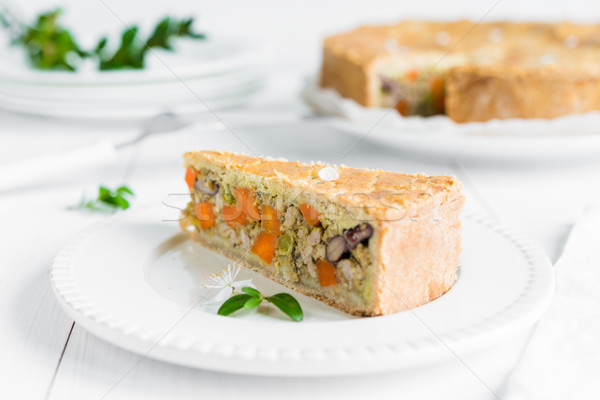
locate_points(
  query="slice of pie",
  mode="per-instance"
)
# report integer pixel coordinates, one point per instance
(367, 242)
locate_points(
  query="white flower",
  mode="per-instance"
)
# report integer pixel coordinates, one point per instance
(225, 280)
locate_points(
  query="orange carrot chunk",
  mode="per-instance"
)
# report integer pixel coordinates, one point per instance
(402, 107)
(190, 178)
(206, 215)
(264, 246)
(310, 214)
(437, 93)
(246, 200)
(270, 219)
(326, 272)
(234, 216)
(412, 75)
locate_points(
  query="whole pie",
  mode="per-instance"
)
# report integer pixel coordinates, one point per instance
(468, 71)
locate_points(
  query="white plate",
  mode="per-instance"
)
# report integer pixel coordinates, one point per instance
(574, 146)
(202, 85)
(136, 281)
(177, 93)
(568, 138)
(184, 102)
(136, 113)
(223, 71)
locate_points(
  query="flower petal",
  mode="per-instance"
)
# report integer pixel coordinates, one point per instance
(223, 295)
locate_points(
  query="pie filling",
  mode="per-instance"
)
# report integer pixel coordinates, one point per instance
(413, 93)
(316, 246)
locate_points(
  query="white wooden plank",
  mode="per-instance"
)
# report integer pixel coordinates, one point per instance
(33, 329)
(94, 369)
(35, 224)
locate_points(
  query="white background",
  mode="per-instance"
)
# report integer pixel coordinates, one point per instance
(541, 201)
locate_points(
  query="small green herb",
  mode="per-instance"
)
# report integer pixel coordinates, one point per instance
(252, 292)
(108, 200)
(233, 304)
(252, 298)
(50, 46)
(252, 303)
(288, 304)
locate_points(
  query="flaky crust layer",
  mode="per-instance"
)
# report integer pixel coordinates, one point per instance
(377, 194)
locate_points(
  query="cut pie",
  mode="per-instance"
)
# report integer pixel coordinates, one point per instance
(367, 242)
(469, 71)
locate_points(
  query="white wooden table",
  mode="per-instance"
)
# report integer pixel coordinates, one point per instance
(44, 355)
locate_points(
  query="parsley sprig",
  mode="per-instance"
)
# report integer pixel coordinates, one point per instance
(51, 46)
(107, 201)
(252, 298)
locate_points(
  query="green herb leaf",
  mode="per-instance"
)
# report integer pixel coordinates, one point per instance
(160, 36)
(103, 193)
(252, 298)
(130, 53)
(124, 189)
(288, 304)
(50, 46)
(108, 200)
(252, 292)
(101, 45)
(233, 304)
(253, 303)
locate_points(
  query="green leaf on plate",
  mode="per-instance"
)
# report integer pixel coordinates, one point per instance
(233, 304)
(253, 303)
(288, 304)
(252, 292)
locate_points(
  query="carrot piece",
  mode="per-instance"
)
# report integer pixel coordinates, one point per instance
(402, 107)
(234, 216)
(246, 200)
(270, 219)
(310, 214)
(412, 75)
(437, 93)
(190, 177)
(326, 272)
(206, 215)
(264, 246)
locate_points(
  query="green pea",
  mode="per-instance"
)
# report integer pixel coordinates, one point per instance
(228, 196)
(285, 244)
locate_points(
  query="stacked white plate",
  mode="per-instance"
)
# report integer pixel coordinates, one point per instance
(217, 73)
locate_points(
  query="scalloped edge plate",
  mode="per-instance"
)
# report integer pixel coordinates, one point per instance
(135, 281)
(564, 138)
